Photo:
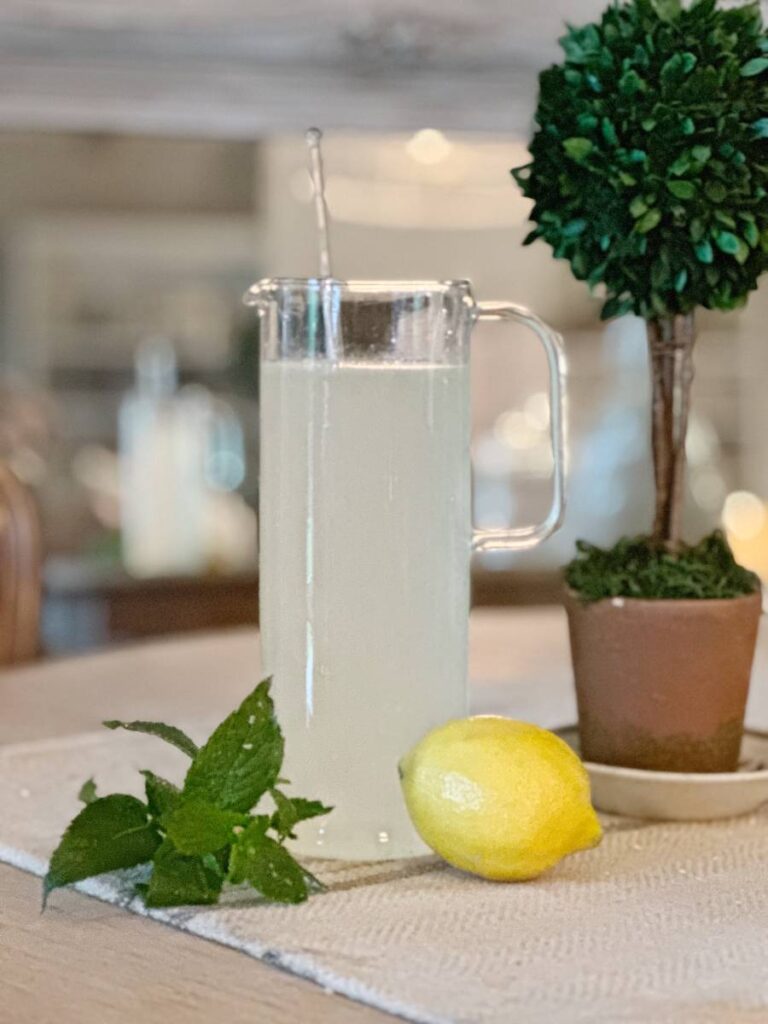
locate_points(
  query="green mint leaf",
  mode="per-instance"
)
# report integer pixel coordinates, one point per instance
(217, 862)
(306, 809)
(267, 866)
(648, 222)
(752, 234)
(111, 832)
(742, 253)
(631, 83)
(291, 810)
(87, 792)
(242, 758)
(285, 816)
(615, 307)
(682, 189)
(701, 153)
(577, 148)
(716, 191)
(196, 827)
(574, 228)
(667, 10)
(178, 880)
(638, 206)
(753, 67)
(162, 796)
(697, 229)
(609, 132)
(727, 242)
(704, 252)
(313, 884)
(169, 733)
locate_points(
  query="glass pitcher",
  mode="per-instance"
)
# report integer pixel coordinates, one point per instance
(366, 534)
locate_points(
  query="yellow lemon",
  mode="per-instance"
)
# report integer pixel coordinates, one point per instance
(499, 798)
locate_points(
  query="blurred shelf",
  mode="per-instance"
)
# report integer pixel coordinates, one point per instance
(120, 378)
(88, 604)
(513, 587)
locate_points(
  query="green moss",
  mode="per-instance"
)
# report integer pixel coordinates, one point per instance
(636, 567)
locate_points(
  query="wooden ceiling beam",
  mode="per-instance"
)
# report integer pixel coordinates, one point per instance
(222, 70)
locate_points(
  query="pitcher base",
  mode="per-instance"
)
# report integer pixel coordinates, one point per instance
(322, 843)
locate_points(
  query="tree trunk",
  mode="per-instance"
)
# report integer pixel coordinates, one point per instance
(670, 343)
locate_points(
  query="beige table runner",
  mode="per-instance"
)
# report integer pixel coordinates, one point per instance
(664, 923)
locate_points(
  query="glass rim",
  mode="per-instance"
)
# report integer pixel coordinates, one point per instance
(373, 285)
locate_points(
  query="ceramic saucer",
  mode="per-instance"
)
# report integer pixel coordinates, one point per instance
(680, 796)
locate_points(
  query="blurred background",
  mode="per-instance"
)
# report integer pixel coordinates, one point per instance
(152, 165)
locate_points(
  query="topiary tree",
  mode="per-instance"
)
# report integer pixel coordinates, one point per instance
(649, 174)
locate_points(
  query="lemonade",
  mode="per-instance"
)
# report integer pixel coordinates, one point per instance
(365, 543)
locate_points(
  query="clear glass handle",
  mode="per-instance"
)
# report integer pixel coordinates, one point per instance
(522, 537)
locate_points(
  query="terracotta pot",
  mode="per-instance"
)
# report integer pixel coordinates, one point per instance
(663, 684)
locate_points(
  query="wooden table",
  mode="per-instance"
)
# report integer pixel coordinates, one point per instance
(91, 963)
(86, 962)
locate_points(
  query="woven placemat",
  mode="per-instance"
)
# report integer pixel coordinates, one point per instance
(665, 923)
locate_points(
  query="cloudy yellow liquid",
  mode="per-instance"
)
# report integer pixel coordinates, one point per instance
(365, 537)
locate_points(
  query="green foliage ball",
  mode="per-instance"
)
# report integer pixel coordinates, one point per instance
(649, 169)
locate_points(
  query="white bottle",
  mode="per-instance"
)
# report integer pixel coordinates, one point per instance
(163, 494)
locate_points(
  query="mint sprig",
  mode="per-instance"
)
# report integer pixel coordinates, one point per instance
(180, 879)
(162, 796)
(205, 834)
(109, 833)
(169, 733)
(242, 759)
(87, 792)
(197, 828)
(291, 810)
(267, 866)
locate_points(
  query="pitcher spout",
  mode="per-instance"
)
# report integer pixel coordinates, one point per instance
(259, 293)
